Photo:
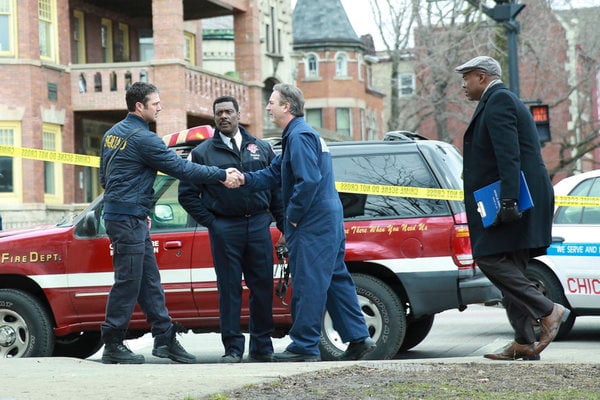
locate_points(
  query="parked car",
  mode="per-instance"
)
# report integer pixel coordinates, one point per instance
(410, 258)
(568, 274)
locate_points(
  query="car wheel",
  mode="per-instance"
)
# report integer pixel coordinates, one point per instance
(416, 332)
(550, 286)
(78, 345)
(385, 317)
(25, 327)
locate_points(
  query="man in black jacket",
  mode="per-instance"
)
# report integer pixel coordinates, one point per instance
(130, 157)
(500, 142)
(238, 222)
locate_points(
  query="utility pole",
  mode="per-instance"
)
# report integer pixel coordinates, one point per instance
(505, 12)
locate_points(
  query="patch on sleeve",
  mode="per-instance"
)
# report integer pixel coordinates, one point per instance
(324, 147)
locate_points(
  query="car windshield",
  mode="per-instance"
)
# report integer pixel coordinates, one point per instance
(577, 214)
(73, 219)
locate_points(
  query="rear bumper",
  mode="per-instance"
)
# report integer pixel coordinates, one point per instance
(478, 289)
(434, 292)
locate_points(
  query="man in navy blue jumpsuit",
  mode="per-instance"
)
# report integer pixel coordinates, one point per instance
(238, 222)
(130, 157)
(314, 232)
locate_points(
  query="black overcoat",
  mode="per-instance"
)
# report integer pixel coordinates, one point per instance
(502, 140)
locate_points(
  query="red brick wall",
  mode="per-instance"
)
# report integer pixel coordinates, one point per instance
(328, 86)
(248, 63)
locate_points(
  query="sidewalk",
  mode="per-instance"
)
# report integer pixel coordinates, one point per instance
(74, 379)
(455, 338)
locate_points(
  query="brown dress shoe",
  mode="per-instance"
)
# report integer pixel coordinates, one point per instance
(514, 351)
(549, 326)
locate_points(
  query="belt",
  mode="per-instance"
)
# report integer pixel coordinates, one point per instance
(248, 215)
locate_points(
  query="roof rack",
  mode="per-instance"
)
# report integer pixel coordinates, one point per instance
(403, 135)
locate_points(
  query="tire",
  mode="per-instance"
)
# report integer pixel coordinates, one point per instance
(385, 317)
(416, 332)
(550, 286)
(79, 345)
(25, 327)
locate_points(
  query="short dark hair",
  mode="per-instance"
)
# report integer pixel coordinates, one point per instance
(293, 96)
(139, 92)
(225, 99)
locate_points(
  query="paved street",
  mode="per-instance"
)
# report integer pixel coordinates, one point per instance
(455, 337)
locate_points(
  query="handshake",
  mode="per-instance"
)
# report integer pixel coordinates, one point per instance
(234, 178)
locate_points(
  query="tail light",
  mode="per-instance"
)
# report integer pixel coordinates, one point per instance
(461, 247)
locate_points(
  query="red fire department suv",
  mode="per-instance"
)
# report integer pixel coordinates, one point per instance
(410, 259)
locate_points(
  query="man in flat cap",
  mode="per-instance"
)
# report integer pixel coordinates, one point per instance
(500, 142)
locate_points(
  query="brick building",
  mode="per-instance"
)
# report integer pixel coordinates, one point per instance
(334, 70)
(66, 65)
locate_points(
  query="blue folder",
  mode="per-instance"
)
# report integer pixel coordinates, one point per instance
(488, 200)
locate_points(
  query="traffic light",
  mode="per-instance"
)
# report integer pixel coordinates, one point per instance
(541, 116)
(503, 11)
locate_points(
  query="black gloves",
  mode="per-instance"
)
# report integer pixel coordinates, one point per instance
(508, 212)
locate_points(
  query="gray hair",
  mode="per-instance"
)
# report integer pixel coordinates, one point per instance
(293, 96)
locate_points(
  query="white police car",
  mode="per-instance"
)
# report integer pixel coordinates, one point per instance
(570, 273)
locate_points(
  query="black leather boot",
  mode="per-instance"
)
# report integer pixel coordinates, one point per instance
(167, 346)
(115, 352)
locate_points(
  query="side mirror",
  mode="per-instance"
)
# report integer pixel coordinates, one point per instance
(88, 226)
(163, 213)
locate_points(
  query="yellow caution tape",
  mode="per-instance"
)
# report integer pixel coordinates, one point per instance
(53, 156)
(401, 191)
(346, 187)
(447, 194)
(577, 201)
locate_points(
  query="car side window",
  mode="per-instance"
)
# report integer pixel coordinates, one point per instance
(406, 169)
(581, 215)
(167, 214)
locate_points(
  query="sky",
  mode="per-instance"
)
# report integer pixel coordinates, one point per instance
(359, 14)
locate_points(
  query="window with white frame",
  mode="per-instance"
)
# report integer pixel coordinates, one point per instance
(360, 68)
(406, 85)
(106, 40)
(51, 140)
(312, 66)
(79, 36)
(341, 64)
(48, 34)
(343, 122)
(314, 117)
(8, 23)
(10, 167)
(369, 76)
(363, 124)
(189, 47)
(122, 48)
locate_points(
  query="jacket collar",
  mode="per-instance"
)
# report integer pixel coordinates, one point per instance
(137, 120)
(246, 137)
(485, 97)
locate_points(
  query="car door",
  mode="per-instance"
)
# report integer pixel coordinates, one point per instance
(576, 247)
(89, 259)
(173, 241)
(204, 284)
